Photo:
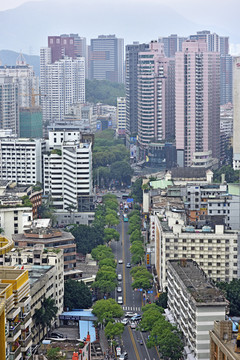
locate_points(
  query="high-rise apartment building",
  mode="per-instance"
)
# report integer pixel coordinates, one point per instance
(121, 116)
(21, 160)
(131, 81)
(9, 104)
(62, 84)
(155, 123)
(236, 113)
(172, 44)
(28, 84)
(67, 169)
(216, 43)
(106, 59)
(197, 86)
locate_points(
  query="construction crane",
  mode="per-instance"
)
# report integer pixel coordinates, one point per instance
(33, 97)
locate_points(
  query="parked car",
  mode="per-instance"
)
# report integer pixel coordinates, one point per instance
(119, 289)
(119, 277)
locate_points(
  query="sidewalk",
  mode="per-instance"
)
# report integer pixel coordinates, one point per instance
(104, 345)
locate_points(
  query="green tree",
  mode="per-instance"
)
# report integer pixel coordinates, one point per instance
(103, 91)
(232, 293)
(137, 252)
(136, 235)
(231, 176)
(113, 329)
(111, 220)
(87, 237)
(102, 252)
(111, 234)
(122, 171)
(46, 314)
(55, 354)
(150, 316)
(108, 262)
(136, 191)
(77, 295)
(142, 278)
(107, 310)
(162, 300)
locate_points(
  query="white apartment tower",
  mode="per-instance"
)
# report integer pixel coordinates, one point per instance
(121, 115)
(62, 84)
(21, 160)
(67, 169)
(236, 113)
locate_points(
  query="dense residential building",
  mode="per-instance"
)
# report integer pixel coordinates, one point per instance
(62, 84)
(236, 113)
(197, 85)
(194, 304)
(64, 182)
(155, 99)
(21, 160)
(9, 104)
(131, 81)
(220, 44)
(41, 232)
(223, 342)
(172, 44)
(28, 84)
(105, 59)
(46, 274)
(121, 116)
(214, 248)
(15, 310)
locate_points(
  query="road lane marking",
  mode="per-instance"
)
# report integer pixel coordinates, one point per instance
(134, 343)
(145, 346)
(123, 256)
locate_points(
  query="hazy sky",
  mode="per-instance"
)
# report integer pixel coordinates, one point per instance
(218, 16)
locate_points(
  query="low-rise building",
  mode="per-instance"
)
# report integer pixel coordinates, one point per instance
(194, 304)
(41, 232)
(223, 343)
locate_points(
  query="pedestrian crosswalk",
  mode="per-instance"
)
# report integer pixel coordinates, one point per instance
(131, 308)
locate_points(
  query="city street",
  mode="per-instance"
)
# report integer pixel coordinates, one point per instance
(133, 341)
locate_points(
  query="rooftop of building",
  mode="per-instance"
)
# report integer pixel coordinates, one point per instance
(55, 235)
(188, 173)
(228, 344)
(35, 272)
(196, 282)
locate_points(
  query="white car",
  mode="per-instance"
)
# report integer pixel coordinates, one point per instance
(119, 289)
(120, 300)
(119, 277)
(130, 314)
(125, 321)
(120, 261)
(133, 325)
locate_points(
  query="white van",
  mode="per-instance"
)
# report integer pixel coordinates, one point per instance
(120, 300)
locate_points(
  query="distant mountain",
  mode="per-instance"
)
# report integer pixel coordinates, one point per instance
(8, 57)
(26, 27)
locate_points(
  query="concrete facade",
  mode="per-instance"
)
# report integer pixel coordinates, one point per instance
(236, 113)
(194, 303)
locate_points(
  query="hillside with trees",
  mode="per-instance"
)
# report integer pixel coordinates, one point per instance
(103, 91)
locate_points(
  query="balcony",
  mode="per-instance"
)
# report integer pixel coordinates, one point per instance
(25, 342)
(25, 320)
(15, 354)
(14, 332)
